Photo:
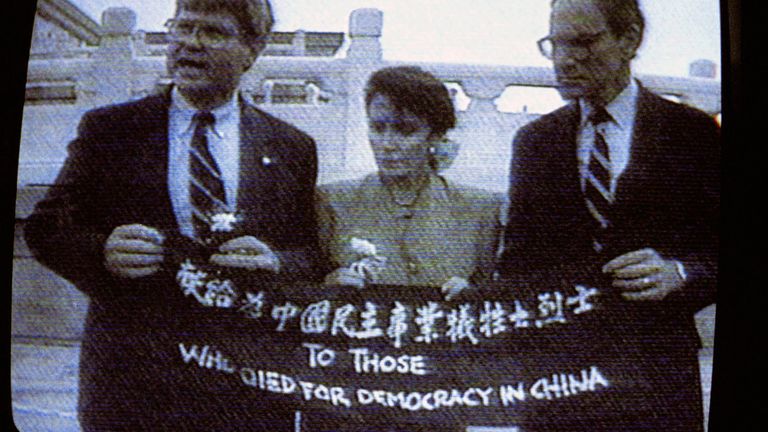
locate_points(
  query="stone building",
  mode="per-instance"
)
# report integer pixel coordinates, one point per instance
(61, 29)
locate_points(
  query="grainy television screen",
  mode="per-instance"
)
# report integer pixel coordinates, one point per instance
(367, 215)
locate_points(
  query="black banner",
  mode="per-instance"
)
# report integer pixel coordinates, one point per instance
(560, 341)
(397, 353)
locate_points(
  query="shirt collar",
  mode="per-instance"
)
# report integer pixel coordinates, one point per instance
(185, 110)
(622, 108)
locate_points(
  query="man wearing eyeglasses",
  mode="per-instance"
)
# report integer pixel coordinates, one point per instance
(143, 172)
(623, 186)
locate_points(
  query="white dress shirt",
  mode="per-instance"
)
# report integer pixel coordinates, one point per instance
(223, 143)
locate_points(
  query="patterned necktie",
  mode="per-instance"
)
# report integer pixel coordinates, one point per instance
(597, 187)
(206, 187)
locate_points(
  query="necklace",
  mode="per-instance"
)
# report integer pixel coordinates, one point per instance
(407, 199)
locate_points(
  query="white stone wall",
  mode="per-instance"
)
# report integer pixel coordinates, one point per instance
(50, 40)
(333, 112)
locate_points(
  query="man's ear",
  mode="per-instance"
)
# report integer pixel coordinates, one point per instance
(256, 48)
(631, 40)
(252, 52)
(248, 59)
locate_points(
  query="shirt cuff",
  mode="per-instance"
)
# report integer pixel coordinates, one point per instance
(681, 270)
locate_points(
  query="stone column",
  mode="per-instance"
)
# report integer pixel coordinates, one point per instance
(484, 135)
(363, 57)
(702, 69)
(110, 79)
(705, 70)
(299, 44)
(365, 26)
(484, 91)
(267, 88)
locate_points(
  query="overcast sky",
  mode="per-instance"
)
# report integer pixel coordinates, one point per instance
(477, 31)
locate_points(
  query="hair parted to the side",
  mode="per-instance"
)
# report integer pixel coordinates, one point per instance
(620, 15)
(416, 90)
(254, 17)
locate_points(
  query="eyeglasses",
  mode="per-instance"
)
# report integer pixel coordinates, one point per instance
(580, 48)
(207, 34)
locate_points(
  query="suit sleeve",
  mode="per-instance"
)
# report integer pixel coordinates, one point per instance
(697, 243)
(327, 220)
(300, 258)
(488, 239)
(64, 232)
(517, 234)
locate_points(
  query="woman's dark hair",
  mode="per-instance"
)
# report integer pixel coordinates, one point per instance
(416, 90)
(254, 17)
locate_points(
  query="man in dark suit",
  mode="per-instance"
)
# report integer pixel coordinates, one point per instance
(144, 174)
(623, 184)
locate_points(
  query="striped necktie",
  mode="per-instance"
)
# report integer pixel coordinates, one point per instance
(597, 187)
(206, 187)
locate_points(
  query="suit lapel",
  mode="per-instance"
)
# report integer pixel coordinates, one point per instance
(153, 119)
(262, 165)
(643, 151)
(566, 159)
(150, 157)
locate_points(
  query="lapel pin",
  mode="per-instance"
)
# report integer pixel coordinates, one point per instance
(266, 160)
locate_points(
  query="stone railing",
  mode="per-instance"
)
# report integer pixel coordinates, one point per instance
(322, 95)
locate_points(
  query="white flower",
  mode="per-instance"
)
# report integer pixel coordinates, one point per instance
(362, 247)
(456, 283)
(453, 287)
(223, 222)
(369, 267)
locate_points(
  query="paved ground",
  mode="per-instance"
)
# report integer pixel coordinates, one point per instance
(44, 386)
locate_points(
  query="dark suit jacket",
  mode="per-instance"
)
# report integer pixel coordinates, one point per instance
(115, 174)
(667, 199)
